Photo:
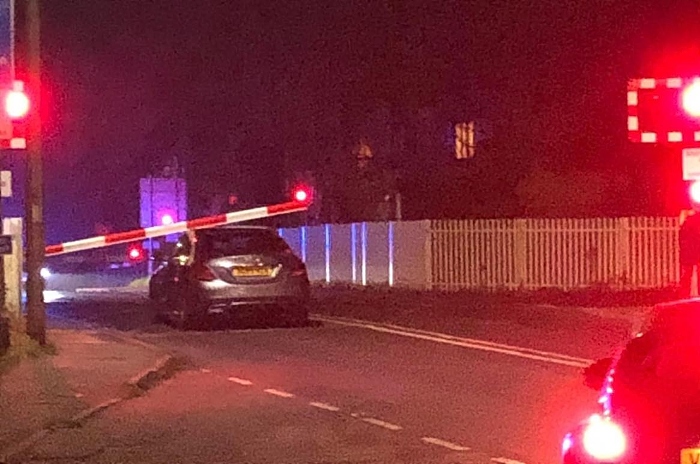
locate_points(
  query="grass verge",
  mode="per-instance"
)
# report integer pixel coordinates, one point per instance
(591, 297)
(22, 347)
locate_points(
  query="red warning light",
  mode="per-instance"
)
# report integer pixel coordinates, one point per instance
(166, 219)
(691, 99)
(301, 195)
(16, 104)
(694, 192)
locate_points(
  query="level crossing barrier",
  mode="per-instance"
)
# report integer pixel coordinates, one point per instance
(178, 227)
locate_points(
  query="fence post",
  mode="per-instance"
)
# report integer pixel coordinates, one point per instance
(623, 253)
(4, 333)
(520, 251)
(694, 278)
(429, 253)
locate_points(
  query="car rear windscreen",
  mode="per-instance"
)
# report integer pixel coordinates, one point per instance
(220, 243)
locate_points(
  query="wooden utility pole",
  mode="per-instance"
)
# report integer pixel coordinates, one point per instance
(34, 203)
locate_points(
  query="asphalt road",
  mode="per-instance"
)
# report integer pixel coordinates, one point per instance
(573, 331)
(503, 387)
(335, 394)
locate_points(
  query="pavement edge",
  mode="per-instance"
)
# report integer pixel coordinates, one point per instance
(164, 368)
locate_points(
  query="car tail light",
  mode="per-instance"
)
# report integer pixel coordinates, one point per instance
(203, 273)
(603, 439)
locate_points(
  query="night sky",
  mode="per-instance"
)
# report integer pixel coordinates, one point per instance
(235, 88)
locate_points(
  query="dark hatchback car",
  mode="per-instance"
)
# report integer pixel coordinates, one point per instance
(231, 271)
(649, 396)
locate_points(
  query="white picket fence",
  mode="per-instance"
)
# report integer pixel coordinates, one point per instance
(560, 253)
(622, 253)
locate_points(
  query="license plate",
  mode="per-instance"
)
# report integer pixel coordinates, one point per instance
(690, 456)
(252, 271)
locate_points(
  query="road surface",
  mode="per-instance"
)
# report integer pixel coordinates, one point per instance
(346, 391)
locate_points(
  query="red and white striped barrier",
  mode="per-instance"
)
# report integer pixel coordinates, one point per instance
(178, 227)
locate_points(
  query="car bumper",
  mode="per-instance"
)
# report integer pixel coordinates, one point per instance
(237, 306)
(220, 297)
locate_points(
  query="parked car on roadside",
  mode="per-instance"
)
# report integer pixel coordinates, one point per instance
(231, 271)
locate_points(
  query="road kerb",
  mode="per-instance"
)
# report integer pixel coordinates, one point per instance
(163, 369)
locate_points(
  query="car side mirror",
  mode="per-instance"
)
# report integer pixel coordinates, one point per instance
(594, 375)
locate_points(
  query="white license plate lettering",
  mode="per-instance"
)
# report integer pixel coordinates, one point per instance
(252, 272)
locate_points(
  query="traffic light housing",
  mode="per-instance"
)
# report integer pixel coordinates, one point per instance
(664, 110)
(13, 119)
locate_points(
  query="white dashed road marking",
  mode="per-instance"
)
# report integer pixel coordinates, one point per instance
(444, 444)
(381, 423)
(370, 420)
(95, 290)
(280, 393)
(240, 381)
(528, 353)
(505, 461)
(325, 406)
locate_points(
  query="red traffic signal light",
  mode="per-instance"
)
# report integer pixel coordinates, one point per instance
(694, 192)
(167, 219)
(17, 102)
(690, 99)
(664, 110)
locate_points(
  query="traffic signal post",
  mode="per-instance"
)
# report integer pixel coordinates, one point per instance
(13, 111)
(667, 112)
